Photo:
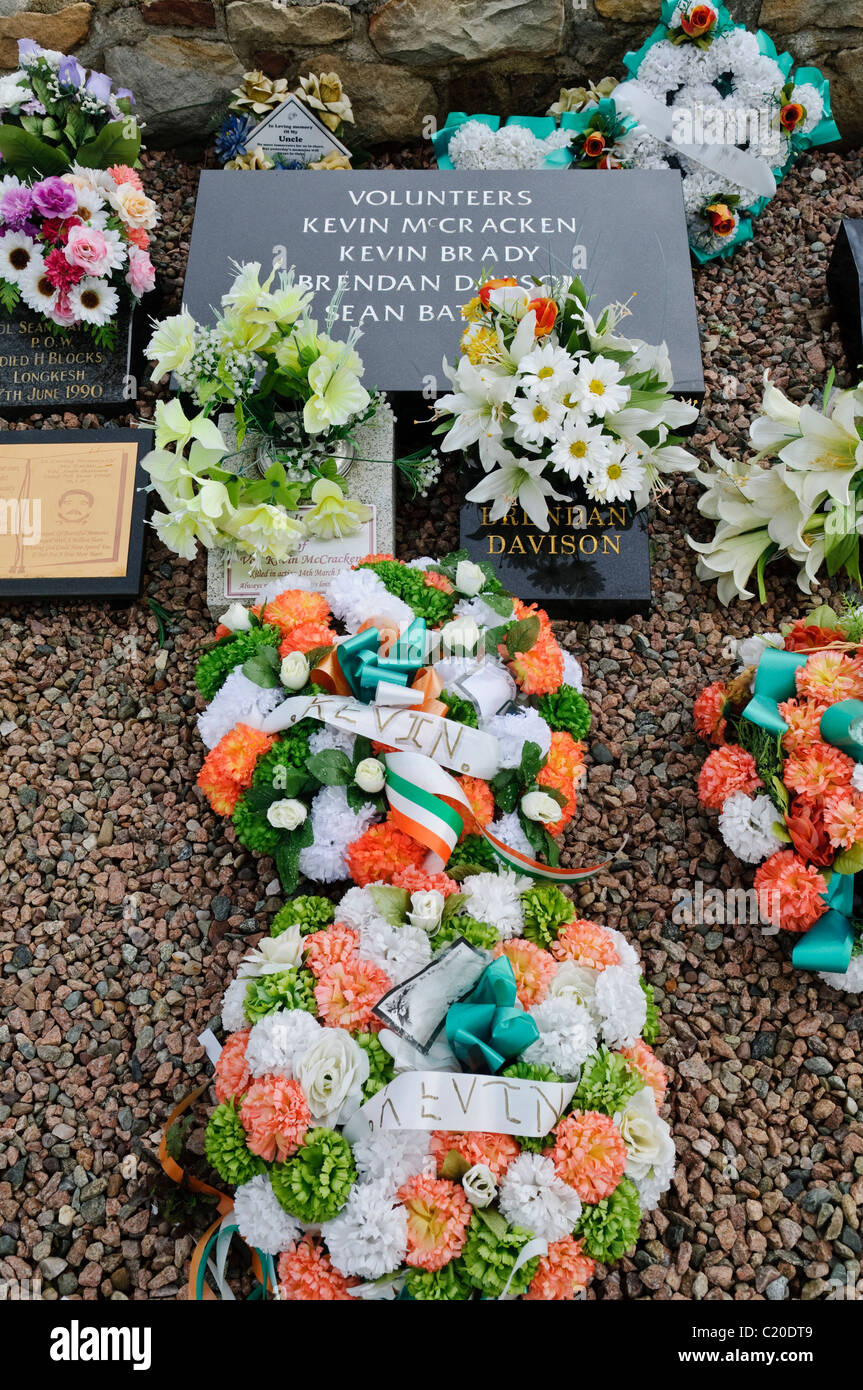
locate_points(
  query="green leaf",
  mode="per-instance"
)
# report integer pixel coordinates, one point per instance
(452, 905)
(332, 767)
(822, 616)
(505, 787)
(29, 156)
(111, 146)
(522, 635)
(850, 861)
(9, 295)
(391, 902)
(499, 603)
(534, 834)
(263, 667)
(532, 762)
(287, 855)
(260, 799)
(316, 655)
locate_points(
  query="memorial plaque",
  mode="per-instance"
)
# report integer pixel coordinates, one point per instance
(72, 510)
(845, 287)
(594, 559)
(49, 370)
(293, 135)
(406, 247)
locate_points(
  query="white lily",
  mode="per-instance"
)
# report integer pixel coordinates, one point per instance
(780, 421)
(477, 404)
(828, 454)
(517, 480)
(338, 394)
(173, 426)
(732, 555)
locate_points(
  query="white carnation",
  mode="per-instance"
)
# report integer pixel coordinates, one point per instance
(277, 587)
(233, 1010)
(394, 1155)
(513, 731)
(809, 97)
(399, 951)
(508, 828)
(566, 1037)
(621, 1004)
(746, 824)
(626, 952)
(572, 672)
(480, 612)
(476, 146)
(279, 1040)
(334, 826)
(857, 777)
(355, 595)
(851, 982)
(369, 1237)
(654, 1185)
(496, 899)
(359, 910)
(238, 701)
(534, 1197)
(322, 740)
(262, 1221)
(575, 982)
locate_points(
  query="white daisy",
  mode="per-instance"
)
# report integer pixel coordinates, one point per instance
(580, 447)
(616, 478)
(547, 371)
(597, 388)
(91, 207)
(93, 301)
(36, 289)
(536, 419)
(18, 254)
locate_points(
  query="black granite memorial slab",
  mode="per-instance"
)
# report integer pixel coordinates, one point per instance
(845, 287)
(50, 371)
(406, 247)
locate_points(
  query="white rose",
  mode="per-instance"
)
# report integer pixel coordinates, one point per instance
(236, 618)
(294, 670)
(426, 909)
(460, 635)
(479, 1186)
(274, 953)
(286, 814)
(540, 806)
(577, 982)
(469, 578)
(647, 1137)
(330, 1071)
(370, 775)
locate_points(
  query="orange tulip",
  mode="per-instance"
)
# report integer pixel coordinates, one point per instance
(486, 289)
(791, 115)
(721, 219)
(698, 21)
(546, 313)
(594, 144)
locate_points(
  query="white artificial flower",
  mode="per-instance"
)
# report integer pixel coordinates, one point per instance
(539, 806)
(477, 405)
(369, 1237)
(237, 701)
(399, 952)
(335, 826)
(626, 952)
(547, 371)
(460, 637)
(580, 447)
(370, 775)
(394, 1155)
(426, 909)
(261, 1219)
(596, 389)
(476, 146)
(751, 649)
(621, 1004)
(93, 301)
(533, 1197)
(851, 982)
(273, 954)
(469, 578)
(294, 670)
(508, 828)
(648, 1141)
(278, 1041)
(232, 1010)
(328, 737)
(479, 1186)
(332, 1072)
(857, 777)
(536, 419)
(617, 477)
(36, 289)
(747, 824)
(355, 594)
(481, 612)
(18, 254)
(495, 898)
(575, 982)
(287, 814)
(237, 617)
(572, 672)
(566, 1037)
(513, 731)
(811, 100)
(359, 910)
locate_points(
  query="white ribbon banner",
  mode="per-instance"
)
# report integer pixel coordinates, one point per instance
(739, 166)
(410, 730)
(462, 1101)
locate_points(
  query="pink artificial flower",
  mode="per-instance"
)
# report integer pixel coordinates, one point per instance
(141, 276)
(88, 250)
(232, 1072)
(438, 1217)
(275, 1116)
(589, 1154)
(326, 948)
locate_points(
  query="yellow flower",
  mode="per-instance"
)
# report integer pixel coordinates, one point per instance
(259, 93)
(578, 98)
(252, 159)
(324, 94)
(473, 310)
(333, 160)
(333, 514)
(479, 344)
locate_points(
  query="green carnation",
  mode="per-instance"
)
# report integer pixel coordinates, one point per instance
(309, 912)
(490, 1252)
(286, 989)
(314, 1185)
(440, 1285)
(607, 1082)
(290, 751)
(545, 909)
(460, 710)
(410, 586)
(526, 1071)
(253, 829)
(566, 711)
(610, 1228)
(381, 1065)
(477, 933)
(226, 1148)
(219, 661)
(475, 852)
(650, 1031)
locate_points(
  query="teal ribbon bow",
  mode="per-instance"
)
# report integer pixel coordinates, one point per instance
(828, 944)
(363, 666)
(489, 1028)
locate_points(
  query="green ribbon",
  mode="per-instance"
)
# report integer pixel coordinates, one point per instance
(363, 667)
(490, 1027)
(828, 944)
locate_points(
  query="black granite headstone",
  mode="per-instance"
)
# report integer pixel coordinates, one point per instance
(406, 247)
(845, 287)
(51, 371)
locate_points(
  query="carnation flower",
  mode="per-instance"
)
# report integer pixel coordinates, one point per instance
(621, 1005)
(347, 992)
(709, 713)
(534, 1197)
(359, 910)
(532, 966)
(261, 1220)
(275, 1116)
(232, 1009)
(306, 637)
(354, 594)
(239, 701)
(394, 1155)
(398, 951)
(566, 1037)
(438, 1215)
(278, 1041)
(852, 980)
(843, 819)
(481, 799)
(508, 828)
(726, 770)
(369, 1236)
(563, 1273)
(747, 827)
(295, 607)
(540, 670)
(228, 768)
(334, 826)
(830, 676)
(585, 943)
(232, 1075)
(513, 731)
(324, 948)
(496, 898)
(493, 1151)
(818, 769)
(307, 1273)
(648, 1066)
(803, 718)
(785, 882)
(418, 881)
(382, 851)
(589, 1154)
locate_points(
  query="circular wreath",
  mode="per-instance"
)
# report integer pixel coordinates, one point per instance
(786, 776)
(700, 63)
(352, 1199)
(314, 795)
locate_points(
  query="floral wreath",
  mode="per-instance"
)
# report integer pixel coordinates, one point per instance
(703, 66)
(333, 718)
(372, 1048)
(786, 775)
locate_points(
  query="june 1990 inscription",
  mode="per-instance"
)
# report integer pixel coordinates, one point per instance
(61, 370)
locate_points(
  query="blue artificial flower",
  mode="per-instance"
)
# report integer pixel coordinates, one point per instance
(70, 73)
(99, 86)
(283, 162)
(232, 136)
(27, 48)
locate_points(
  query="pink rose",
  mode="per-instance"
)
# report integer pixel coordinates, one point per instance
(88, 250)
(140, 277)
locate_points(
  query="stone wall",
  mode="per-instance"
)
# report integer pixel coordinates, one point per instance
(401, 60)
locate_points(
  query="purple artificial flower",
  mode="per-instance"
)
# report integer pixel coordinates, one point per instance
(99, 86)
(122, 92)
(33, 108)
(54, 198)
(70, 73)
(16, 206)
(28, 49)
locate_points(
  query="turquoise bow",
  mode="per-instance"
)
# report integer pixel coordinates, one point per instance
(828, 944)
(490, 1027)
(363, 667)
